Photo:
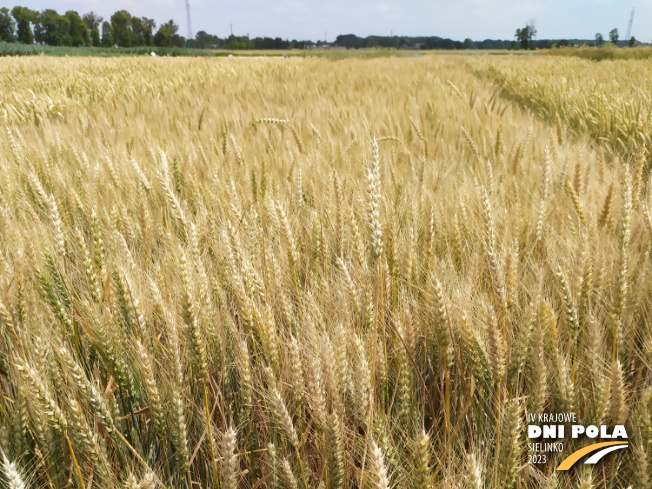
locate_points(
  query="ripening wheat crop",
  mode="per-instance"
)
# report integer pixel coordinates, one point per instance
(280, 273)
(610, 101)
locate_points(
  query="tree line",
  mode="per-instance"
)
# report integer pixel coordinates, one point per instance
(203, 40)
(26, 26)
(523, 40)
(351, 41)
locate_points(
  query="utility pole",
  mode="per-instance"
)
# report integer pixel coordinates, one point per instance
(231, 26)
(188, 22)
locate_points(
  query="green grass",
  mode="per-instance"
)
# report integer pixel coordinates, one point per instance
(16, 49)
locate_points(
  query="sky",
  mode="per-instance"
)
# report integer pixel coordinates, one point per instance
(325, 19)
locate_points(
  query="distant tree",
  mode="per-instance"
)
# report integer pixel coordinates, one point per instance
(122, 32)
(373, 41)
(469, 44)
(241, 42)
(613, 36)
(521, 37)
(449, 44)
(93, 22)
(24, 19)
(263, 43)
(79, 35)
(179, 41)
(107, 34)
(142, 30)
(148, 30)
(204, 40)
(52, 29)
(137, 32)
(524, 36)
(347, 40)
(7, 26)
(599, 40)
(632, 42)
(95, 37)
(164, 35)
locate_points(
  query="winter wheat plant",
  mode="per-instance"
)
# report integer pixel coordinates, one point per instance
(304, 273)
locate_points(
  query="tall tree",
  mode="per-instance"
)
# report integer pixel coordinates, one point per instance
(137, 34)
(148, 30)
(524, 36)
(142, 31)
(7, 26)
(599, 40)
(93, 22)
(165, 34)
(613, 36)
(52, 29)
(107, 35)
(79, 35)
(121, 24)
(178, 41)
(204, 40)
(24, 19)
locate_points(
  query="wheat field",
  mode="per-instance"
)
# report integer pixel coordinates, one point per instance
(302, 273)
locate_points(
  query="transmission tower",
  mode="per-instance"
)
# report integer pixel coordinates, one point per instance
(188, 20)
(629, 27)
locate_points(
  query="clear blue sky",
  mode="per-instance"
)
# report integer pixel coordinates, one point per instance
(310, 19)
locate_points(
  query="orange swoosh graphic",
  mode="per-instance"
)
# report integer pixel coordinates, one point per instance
(575, 456)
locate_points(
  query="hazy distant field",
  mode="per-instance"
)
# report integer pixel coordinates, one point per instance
(296, 272)
(17, 49)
